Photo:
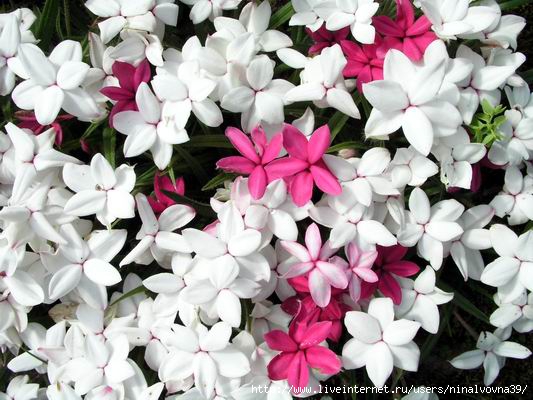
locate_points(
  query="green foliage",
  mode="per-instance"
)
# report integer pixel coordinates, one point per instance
(486, 125)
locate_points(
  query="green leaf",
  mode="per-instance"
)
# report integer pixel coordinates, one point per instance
(197, 168)
(281, 16)
(464, 304)
(131, 293)
(345, 145)
(218, 141)
(110, 142)
(218, 181)
(512, 4)
(202, 208)
(528, 76)
(45, 26)
(486, 107)
(336, 123)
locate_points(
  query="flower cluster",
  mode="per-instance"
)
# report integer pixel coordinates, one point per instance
(356, 157)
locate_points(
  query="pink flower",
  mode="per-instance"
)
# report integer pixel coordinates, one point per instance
(305, 167)
(161, 201)
(129, 78)
(299, 350)
(365, 62)
(324, 38)
(407, 35)
(389, 264)
(29, 121)
(360, 266)
(255, 157)
(313, 259)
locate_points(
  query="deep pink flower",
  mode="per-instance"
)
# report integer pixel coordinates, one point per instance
(299, 350)
(409, 36)
(389, 264)
(360, 266)
(305, 167)
(324, 38)
(256, 155)
(161, 201)
(29, 121)
(313, 260)
(129, 78)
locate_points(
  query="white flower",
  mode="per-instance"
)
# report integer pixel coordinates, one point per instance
(323, 83)
(310, 12)
(203, 9)
(516, 143)
(407, 98)
(79, 260)
(204, 354)
(357, 14)
(100, 190)
(518, 314)
(379, 342)
(54, 83)
(409, 167)
(521, 100)
(512, 271)
(266, 317)
(430, 226)
(465, 250)
(492, 350)
(260, 99)
(456, 17)
(19, 389)
(420, 300)
(10, 40)
(516, 199)
(156, 235)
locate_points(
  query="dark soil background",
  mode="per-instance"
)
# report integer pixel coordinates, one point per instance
(455, 335)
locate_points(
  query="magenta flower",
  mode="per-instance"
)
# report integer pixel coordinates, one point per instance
(360, 266)
(299, 350)
(323, 38)
(129, 78)
(29, 121)
(305, 167)
(389, 264)
(161, 201)
(313, 259)
(407, 35)
(256, 155)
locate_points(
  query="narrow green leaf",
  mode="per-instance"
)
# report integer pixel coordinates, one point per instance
(131, 293)
(336, 123)
(345, 145)
(512, 4)
(218, 141)
(218, 181)
(281, 16)
(202, 208)
(464, 304)
(110, 142)
(45, 27)
(197, 168)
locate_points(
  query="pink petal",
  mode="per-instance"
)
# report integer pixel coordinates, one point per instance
(323, 359)
(116, 93)
(257, 182)
(278, 368)
(353, 253)
(298, 376)
(392, 253)
(334, 274)
(297, 250)
(302, 188)
(285, 167)
(402, 268)
(365, 76)
(353, 51)
(142, 73)
(390, 288)
(295, 142)
(315, 334)
(421, 26)
(280, 341)
(259, 138)
(299, 269)
(325, 180)
(411, 50)
(273, 149)
(313, 241)
(366, 274)
(238, 164)
(368, 289)
(318, 144)
(386, 26)
(243, 144)
(124, 72)
(320, 288)
(404, 12)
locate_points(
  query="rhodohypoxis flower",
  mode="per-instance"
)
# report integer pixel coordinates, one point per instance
(492, 350)
(406, 34)
(512, 271)
(203, 354)
(157, 235)
(407, 98)
(300, 349)
(357, 14)
(260, 98)
(164, 184)
(379, 342)
(430, 226)
(79, 259)
(324, 38)
(54, 83)
(517, 314)
(10, 41)
(516, 199)
(420, 300)
(19, 388)
(313, 259)
(28, 120)
(389, 264)
(360, 266)
(203, 9)
(305, 167)
(129, 78)
(409, 167)
(100, 190)
(254, 159)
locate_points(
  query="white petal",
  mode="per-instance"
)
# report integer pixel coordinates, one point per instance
(379, 364)
(101, 272)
